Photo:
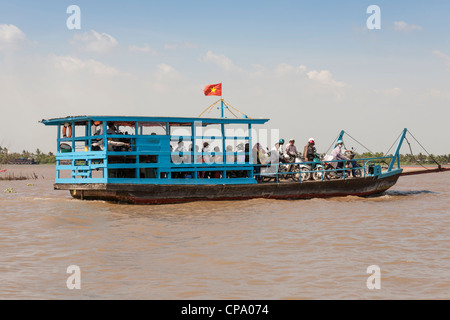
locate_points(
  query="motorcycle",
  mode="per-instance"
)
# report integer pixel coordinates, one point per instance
(333, 173)
(286, 169)
(357, 173)
(314, 170)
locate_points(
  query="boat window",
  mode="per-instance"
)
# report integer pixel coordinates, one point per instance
(97, 128)
(181, 150)
(148, 159)
(152, 128)
(236, 130)
(122, 173)
(121, 159)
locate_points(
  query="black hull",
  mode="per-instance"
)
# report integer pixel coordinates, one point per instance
(161, 194)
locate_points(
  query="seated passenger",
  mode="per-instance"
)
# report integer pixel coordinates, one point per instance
(216, 158)
(230, 157)
(240, 157)
(181, 157)
(111, 128)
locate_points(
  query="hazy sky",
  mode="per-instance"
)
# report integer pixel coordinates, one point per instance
(312, 67)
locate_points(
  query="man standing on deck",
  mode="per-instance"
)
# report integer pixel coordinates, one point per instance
(291, 151)
(310, 151)
(337, 154)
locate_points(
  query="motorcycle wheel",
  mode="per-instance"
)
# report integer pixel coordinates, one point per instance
(305, 174)
(358, 173)
(295, 176)
(282, 169)
(319, 174)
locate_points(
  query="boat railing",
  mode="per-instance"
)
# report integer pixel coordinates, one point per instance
(369, 167)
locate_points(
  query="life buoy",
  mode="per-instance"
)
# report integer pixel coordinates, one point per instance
(65, 133)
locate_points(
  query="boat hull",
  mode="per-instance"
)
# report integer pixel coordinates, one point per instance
(162, 194)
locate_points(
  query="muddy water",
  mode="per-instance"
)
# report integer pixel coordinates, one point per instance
(257, 249)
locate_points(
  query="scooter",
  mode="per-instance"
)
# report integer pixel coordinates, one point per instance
(314, 170)
(332, 172)
(357, 173)
(292, 170)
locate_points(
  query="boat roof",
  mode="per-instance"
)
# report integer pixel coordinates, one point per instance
(175, 120)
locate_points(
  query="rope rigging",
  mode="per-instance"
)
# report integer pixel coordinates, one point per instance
(431, 157)
(229, 107)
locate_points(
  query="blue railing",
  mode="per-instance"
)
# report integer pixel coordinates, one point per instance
(344, 171)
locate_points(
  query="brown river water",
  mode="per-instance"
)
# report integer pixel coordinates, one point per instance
(256, 249)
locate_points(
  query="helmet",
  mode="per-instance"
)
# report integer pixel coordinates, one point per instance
(311, 140)
(281, 141)
(339, 141)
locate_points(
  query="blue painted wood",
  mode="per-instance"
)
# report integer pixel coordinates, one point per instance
(82, 161)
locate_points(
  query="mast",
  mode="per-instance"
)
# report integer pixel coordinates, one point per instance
(396, 156)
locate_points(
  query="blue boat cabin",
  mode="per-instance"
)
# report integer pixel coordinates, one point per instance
(154, 150)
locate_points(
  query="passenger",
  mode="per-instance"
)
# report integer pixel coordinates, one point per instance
(259, 157)
(181, 150)
(97, 144)
(111, 128)
(309, 152)
(281, 150)
(229, 157)
(337, 155)
(240, 157)
(205, 149)
(272, 161)
(247, 152)
(291, 153)
(216, 158)
(206, 158)
(274, 156)
(199, 155)
(291, 150)
(113, 144)
(259, 154)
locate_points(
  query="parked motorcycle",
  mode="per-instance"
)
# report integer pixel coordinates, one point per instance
(331, 167)
(357, 173)
(312, 170)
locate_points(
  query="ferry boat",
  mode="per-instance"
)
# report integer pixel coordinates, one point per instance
(158, 160)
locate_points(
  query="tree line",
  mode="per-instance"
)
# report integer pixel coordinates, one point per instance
(405, 159)
(38, 156)
(408, 159)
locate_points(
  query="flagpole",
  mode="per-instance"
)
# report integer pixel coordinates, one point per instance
(221, 99)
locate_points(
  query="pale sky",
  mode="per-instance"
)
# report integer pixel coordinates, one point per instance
(312, 67)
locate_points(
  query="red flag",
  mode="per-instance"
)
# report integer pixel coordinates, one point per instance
(213, 89)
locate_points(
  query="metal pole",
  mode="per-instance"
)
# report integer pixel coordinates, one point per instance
(396, 155)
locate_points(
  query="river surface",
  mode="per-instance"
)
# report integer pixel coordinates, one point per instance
(257, 249)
